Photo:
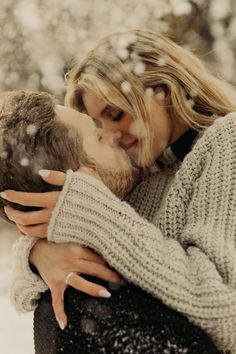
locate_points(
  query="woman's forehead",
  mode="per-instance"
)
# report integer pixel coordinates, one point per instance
(70, 117)
(93, 104)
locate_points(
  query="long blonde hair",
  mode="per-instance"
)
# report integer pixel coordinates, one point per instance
(147, 61)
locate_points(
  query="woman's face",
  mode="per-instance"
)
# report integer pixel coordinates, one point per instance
(121, 128)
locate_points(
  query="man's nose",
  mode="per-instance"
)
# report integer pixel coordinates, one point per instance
(112, 138)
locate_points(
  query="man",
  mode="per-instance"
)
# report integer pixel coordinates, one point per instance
(38, 134)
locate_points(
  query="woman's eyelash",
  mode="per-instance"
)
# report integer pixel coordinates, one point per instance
(117, 117)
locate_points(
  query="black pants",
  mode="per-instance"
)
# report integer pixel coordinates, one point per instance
(131, 322)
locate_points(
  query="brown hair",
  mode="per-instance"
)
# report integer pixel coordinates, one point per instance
(194, 95)
(31, 138)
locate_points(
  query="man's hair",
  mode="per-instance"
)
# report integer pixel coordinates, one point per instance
(31, 138)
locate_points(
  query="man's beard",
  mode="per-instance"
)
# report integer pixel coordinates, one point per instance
(119, 182)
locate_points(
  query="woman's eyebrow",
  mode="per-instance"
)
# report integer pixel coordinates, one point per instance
(103, 111)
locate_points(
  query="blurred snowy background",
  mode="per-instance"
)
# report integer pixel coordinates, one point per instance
(41, 38)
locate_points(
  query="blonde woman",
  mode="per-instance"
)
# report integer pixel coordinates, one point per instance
(177, 240)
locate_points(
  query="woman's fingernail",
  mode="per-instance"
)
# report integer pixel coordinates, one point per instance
(104, 293)
(61, 325)
(3, 195)
(44, 173)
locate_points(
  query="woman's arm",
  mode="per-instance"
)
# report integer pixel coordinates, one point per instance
(53, 262)
(186, 279)
(26, 286)
(196, 276)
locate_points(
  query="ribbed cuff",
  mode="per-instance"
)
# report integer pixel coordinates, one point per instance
(26, 286)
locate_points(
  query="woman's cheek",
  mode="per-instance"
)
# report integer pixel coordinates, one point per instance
(137, 129)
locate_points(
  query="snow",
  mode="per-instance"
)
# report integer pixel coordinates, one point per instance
(125, 87)
(41, 39)
(16, 330)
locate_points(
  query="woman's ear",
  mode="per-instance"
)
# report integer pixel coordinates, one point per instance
(162, 94)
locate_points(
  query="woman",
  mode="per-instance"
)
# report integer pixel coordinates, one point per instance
(161, 105)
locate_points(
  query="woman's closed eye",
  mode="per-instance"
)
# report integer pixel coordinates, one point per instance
(116, 115)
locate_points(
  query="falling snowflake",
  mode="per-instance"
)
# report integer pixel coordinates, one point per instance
(87, 325)
(139, 68)
(31, 129)
(149, 92)
(190, 103)
(24, 162)
(122, 53)
(181, 7)
(162, 61)
(4, 155)
(125, 87)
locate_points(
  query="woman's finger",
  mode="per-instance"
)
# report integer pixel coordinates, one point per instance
(44, 200)
(56, 178)
(98, 270)
(28, 218)
(34, 231)
(58, 305)
(87, 287)
(85, 253)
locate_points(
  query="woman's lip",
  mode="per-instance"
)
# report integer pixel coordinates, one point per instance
(126, 147)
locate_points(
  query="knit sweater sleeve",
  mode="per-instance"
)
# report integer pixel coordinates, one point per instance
(182, 270)
(26, 286)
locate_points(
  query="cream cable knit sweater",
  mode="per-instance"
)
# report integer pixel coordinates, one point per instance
(182, 249)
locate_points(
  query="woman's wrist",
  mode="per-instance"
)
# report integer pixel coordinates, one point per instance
(34, 251)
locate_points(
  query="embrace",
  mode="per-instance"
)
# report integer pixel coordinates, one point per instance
(126, 200)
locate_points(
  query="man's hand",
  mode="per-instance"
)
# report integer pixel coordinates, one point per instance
(56, 261)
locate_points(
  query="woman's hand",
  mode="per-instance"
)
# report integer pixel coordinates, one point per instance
(58, 263)
(34, 223)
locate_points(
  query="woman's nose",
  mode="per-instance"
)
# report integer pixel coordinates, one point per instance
(112, 138)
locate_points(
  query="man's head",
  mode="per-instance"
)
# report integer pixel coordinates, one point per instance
(37, 134)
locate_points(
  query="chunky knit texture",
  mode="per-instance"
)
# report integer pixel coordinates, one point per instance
(26, 287)
(177, 240)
